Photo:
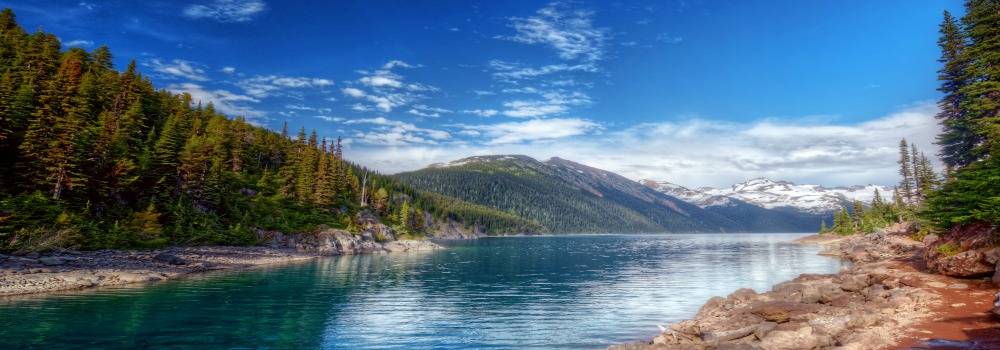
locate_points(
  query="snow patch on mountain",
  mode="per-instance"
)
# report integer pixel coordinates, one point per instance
(772, 194)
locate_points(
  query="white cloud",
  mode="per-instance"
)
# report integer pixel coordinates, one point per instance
(554, 103)
(381, 81)
(569, 31)
(389, 132)
(700, 152)
(228, 70)
(513, 72)
(482, 112)
(178, 68)
(385, 90)
(353, 92)
(224, 101)
(427, 111)
(78, 43)
(265, 85)
(226, 10)
(535, 130)
(329, 118)
(397, 63)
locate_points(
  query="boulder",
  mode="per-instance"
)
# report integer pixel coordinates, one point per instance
(51, 261)
(970, 263)
(996, 275)
(781, 311)
(169, 258)
(791, 338)
(996, 305)
(855, 283)
(716, 337)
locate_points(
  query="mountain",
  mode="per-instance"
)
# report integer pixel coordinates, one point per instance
(567, 197)
(770, 194)
(751, 215)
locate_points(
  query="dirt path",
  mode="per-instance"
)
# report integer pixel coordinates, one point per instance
(961, 321)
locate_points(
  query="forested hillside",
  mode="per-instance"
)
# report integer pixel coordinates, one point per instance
(569, 197)
(95, 157)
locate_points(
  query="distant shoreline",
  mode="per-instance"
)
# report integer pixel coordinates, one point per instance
(72, 270)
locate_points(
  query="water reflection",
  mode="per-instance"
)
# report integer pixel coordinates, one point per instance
(520, 292)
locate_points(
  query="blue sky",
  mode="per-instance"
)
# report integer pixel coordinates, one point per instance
(694, 92)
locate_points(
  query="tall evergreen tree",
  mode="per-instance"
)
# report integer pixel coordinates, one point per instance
(957, 138)
(980, 102)
(906, 172)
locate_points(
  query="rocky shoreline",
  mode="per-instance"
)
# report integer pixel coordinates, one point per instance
(62, 270)
(883, 300)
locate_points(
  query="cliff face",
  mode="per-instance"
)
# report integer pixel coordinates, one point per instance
(374, 238)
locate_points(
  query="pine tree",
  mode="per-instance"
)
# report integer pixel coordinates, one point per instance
(305, 181)
(906, 172)
(858, 212)
(981, 93)
(957, 138)
(324, 193)
(380, 201)
(918, 194)
(877, 201)
(50, 143)
(405, 216)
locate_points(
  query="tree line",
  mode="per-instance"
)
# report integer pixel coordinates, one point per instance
(94, 157)
(968, 191)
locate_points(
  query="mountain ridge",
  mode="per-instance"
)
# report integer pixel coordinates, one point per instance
(774, 194)
(567, 196)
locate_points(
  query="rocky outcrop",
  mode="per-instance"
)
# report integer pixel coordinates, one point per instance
(966, 251)
(856, 308)
(341, 242)
(451, 229)
(891, 243)
(865, 306)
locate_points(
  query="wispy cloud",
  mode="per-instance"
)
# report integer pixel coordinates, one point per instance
(513, 72)
(427, 111)
(78, 43)
(177, 68)
(481, 112)
(266, 85)
(534, 130)
(385, 90)
(552, 103)
(387, 132)
(226, 10)
(569, 31)
(224, 101)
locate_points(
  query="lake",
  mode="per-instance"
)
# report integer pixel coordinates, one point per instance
(572, 291)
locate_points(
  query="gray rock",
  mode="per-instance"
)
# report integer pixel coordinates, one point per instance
(996, 304)
(51, 261)
(717, 337)
(169, 258)
(996, 275)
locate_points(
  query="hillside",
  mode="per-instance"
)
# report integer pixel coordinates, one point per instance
(565, 196)
(93, 157)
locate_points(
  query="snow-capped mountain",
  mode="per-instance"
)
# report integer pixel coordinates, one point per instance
(772, 194)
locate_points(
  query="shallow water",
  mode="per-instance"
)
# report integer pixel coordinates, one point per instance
(577, 291)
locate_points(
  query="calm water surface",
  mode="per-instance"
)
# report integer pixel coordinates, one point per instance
(583, 291)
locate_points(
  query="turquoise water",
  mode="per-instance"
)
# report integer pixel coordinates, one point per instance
(580, 291)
